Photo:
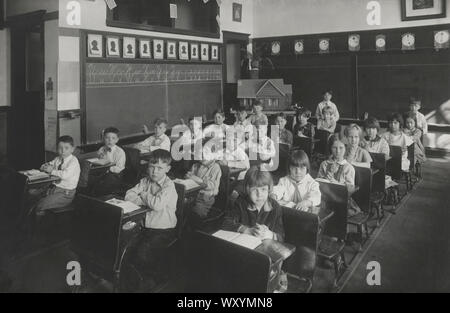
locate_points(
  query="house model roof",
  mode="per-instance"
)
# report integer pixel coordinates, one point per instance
(250, 88)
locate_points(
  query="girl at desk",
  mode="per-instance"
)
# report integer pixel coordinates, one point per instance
(338, 170)
(255, 213)
(298, 186)
(302, 127)
(373, 142)
(354, 154)
(396, 137)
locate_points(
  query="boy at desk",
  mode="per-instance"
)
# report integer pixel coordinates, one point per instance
(66, 167)
(298, 186)
(158, 193)
(158, 141)
(110, 153)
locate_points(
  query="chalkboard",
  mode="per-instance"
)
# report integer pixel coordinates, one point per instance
(129, 95)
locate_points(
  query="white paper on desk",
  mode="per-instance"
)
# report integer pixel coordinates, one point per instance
(98, 161)
(35, 174)
(243, 240)
(188, 183)
(287, 204)
(127, 206)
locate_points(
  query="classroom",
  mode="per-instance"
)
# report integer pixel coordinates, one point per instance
(224, 146)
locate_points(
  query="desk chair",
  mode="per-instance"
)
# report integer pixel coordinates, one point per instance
(414, 166)
(305, 144)
(332, 242)
(395, 167)
(218, 266)
(363, 179)
(220, 207)
(283, 158)
(301, 229)
(13, 186)
(97, 238)
(132, 171)
(378, 192)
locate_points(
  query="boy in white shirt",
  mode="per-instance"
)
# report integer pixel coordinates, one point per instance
(67, 168)
(158, 141)
(327, 96)
(414, 108)
(111, 180)
(157, 192)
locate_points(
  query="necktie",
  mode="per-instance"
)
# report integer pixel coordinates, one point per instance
(107, 149)
(60, 165)
(297, 196)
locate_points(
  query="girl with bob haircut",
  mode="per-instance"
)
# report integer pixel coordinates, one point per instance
(298, 186)
(373, 142)
(396, 137)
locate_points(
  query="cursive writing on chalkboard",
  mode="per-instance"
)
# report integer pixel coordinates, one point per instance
(98, 74)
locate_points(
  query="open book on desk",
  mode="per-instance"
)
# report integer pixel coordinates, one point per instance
(97, 161)
(35, 175)
(126, 206)
(243, 240)
(188, 183)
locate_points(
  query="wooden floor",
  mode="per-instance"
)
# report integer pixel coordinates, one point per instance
(412, 247)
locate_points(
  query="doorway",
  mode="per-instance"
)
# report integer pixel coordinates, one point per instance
(235, 67)
(26, 117)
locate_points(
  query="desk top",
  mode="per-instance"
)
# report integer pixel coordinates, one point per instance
(47, 180)
(352, 190)
(275, 250)
(236, 171)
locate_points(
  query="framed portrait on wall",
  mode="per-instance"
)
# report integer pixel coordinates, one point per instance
(183, 50)
(204, 52)
(95, 46)
(112, 47)
(145, 48)
(237, 12)
(171, 50)
(129, 47)
(214, 52)
(423, 9)
(158, 49)
(194, 51)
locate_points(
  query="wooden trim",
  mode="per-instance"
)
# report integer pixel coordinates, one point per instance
(147, 61)
(51, 16)
(2, 13)
(32, 18)
(360, 32)
(423, 17)
(83, 58)
(162, 29)
(231, 36)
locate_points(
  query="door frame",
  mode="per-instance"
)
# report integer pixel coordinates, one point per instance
(24, 21)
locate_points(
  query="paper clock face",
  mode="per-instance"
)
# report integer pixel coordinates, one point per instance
(442, 39)
(380, 43)
(299, 47)
(408, 41)
(276, 48)
(353, 42)
(324, 45)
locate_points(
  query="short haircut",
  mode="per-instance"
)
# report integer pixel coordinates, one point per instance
(303, 111)
(328, 91)
(66, 139)
(219, 111)
(351, 127)
(113, 130)
(410, 115)
(160, 155)
(159, 121)
(327, 108)
(396, 117)
(258, 103)
(256, 177)
(415, 100)
(242, 109)
(372, 122)
(282, 115)
(332, 140)
(299, 158)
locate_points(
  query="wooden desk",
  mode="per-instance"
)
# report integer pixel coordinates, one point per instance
(97, 167)
(43, 181)
(375, 171)
(234, 172)
(275, 250)
(352, 190)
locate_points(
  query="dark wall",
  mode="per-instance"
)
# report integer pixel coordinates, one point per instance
(367, 80)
